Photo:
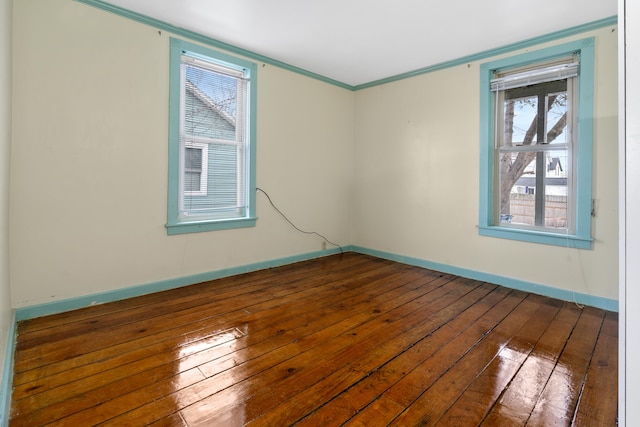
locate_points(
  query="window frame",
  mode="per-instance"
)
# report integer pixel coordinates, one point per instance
(583, 146)
(175, 223)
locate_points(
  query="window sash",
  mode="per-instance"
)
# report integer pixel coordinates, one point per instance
(541, 149)
(224, 193)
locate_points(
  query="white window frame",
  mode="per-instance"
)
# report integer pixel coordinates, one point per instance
(204, 168)
(539, 147)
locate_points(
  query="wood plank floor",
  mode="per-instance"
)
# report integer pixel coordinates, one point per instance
(343, 340)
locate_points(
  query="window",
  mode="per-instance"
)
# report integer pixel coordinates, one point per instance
(211, 140)
(536, 139)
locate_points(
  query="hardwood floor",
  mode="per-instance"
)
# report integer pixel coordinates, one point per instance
(344, 340)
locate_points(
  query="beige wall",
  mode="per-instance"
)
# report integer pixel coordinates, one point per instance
(5, 144)
(375, 168)
(89, 160)
(417, 169)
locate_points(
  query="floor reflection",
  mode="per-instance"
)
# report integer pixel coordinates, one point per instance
(215, 397)
(228, 335)
(541, 390)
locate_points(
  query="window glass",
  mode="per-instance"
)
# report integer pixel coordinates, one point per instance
(518, 115)
(192, 173)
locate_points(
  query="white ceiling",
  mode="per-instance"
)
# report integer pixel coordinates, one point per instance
(360, 41)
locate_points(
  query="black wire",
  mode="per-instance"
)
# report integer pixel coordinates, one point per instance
(293, 225)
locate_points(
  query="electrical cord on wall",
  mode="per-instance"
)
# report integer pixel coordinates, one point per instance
(294, 226)
(584, 276)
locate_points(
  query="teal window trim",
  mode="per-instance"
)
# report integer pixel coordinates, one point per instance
(221, 224)
(582, 238)
(174, 225)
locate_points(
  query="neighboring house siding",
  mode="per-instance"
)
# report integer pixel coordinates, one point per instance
(204, 119)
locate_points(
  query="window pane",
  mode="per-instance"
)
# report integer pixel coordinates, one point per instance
(193, 158)
(210, 104)
(556, 118)
(556, 189)
(520, 121)
(223, 169)
(221, 192)
(517, 188)
(192, 181)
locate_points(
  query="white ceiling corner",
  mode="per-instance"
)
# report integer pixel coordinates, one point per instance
(360, 41)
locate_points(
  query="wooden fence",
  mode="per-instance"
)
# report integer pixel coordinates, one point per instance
(523, 210)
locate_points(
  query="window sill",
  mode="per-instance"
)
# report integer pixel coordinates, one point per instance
(532, 236)
(203, 226)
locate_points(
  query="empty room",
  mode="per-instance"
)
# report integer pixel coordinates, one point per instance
(316, 213)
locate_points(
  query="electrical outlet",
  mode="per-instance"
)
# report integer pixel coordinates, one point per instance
(324, 246)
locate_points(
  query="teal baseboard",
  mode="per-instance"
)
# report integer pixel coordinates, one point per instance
(535, 288)
(61, 306)
(7, 373)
